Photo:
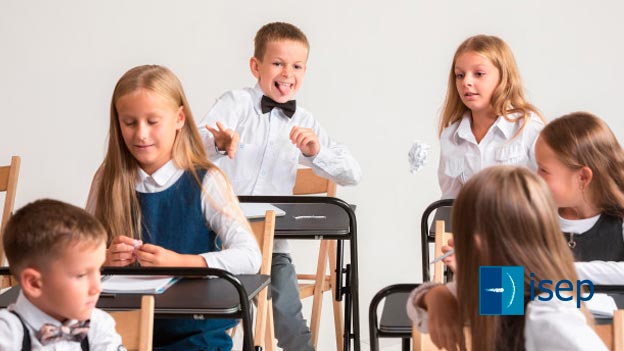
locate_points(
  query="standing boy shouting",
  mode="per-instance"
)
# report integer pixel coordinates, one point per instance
(258, 136)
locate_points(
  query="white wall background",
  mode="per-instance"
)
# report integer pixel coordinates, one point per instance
(376, 80)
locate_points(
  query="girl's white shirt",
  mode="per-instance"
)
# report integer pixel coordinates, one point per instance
(221, 209)
(549, 325)
(598, 272)
(461, 156)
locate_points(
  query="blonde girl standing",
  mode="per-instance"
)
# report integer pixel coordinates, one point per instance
(486, 119)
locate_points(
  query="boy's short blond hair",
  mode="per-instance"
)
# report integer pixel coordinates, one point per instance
(277, 31)
(41, 231)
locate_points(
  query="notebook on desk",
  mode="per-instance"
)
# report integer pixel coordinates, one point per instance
(601, 305)
(257, 210)
(136, 284)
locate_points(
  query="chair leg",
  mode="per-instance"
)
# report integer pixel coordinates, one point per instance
(336, 304)
(319, 282)
(269, 339)
(261, 318)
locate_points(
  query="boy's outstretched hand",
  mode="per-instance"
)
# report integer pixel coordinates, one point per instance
(225, 139)
(306, 140)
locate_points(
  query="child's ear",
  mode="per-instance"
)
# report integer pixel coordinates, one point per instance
(585, 176)
(254, 66)
(180, 118)
(31, 282)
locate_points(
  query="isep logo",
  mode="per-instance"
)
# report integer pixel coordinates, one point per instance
(501, 290)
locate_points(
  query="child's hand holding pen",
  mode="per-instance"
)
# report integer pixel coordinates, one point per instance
(448, 256)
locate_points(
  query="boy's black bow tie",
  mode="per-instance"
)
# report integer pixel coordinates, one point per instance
(267, 104)
(50, 333)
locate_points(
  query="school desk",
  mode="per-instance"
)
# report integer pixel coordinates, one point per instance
(194, 296)
(321, 217)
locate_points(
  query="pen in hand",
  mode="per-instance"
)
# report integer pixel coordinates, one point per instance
(441, 257)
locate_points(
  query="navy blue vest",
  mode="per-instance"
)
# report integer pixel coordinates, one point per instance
(173, 219)
(602, 242)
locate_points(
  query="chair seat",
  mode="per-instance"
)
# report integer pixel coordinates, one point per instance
(394, 321)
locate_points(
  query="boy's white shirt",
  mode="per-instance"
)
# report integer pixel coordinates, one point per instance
(222, 212)
(266, 161)
(102, 335)
(549, 325)
(461, 156)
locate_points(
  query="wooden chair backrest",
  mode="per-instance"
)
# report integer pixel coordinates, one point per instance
(264, 231)
(613, 334)
(441, 239)
(423, 341)
(309, 183)
(136, 327)
(8, 184)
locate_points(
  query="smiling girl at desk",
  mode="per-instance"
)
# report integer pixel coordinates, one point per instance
(504, 216)
(157, 185)
(583, 163)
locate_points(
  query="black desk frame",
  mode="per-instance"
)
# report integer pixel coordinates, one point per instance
(243, 312)
(349, 287)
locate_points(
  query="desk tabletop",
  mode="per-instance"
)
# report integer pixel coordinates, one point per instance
(312, 221)
(189, 297)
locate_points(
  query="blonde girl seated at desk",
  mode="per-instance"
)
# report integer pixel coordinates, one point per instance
(505, 216)
(157, 185)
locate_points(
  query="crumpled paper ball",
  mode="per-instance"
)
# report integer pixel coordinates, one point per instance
(418, 156)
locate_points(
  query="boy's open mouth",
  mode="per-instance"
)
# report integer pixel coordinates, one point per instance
(284, 88)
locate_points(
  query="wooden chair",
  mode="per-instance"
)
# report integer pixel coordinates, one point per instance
(423, 341)
(136, 327)
(314, 285)
(8, 184)
(264, 334)
(613, 334)
(393, 321)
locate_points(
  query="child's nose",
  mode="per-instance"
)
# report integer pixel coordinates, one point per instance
(141, 131)
(287, 71)
(96, 286)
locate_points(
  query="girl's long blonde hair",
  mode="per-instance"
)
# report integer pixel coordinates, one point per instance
(580, 139)
(505, 216)
(508, 97)
(117, 206)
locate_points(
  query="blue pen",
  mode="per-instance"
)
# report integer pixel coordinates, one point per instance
(441, 257)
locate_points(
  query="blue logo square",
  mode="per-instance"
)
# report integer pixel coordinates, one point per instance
(501, 290)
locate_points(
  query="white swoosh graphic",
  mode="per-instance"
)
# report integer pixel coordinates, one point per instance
(513, 290)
